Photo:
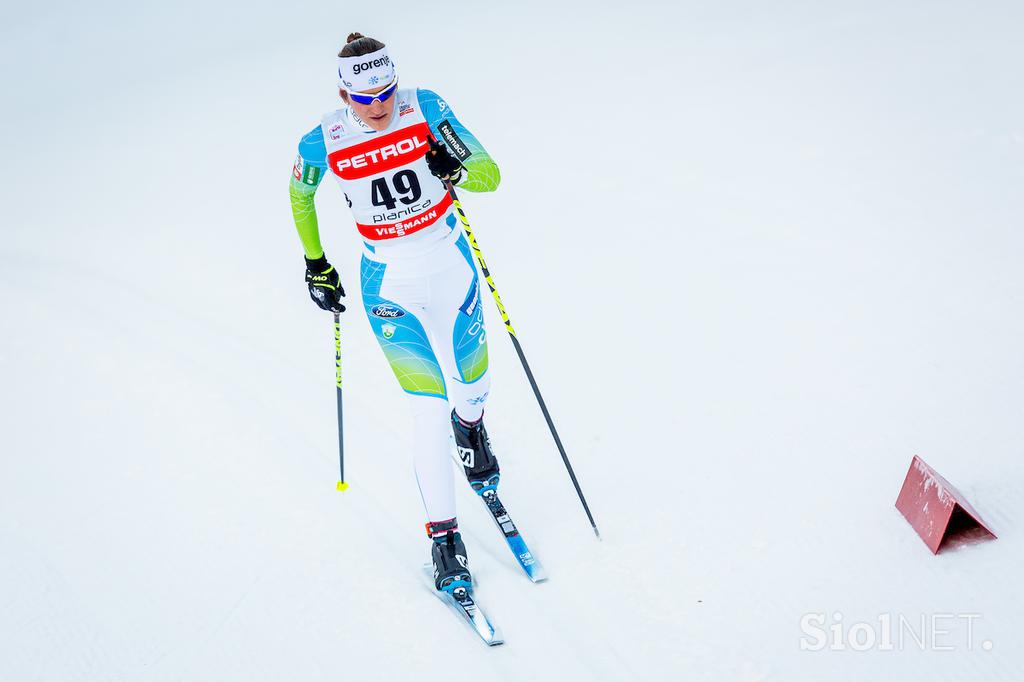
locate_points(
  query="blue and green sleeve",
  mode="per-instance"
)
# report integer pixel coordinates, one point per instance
(309, 169)
(482, 174)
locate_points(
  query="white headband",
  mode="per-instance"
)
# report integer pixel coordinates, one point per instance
(365, 72)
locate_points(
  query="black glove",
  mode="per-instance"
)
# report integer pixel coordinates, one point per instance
(441, 162)
(324, 284)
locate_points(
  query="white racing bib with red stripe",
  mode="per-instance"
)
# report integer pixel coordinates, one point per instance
(384, 175)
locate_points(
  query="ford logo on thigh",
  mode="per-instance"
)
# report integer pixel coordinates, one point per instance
(386, 311)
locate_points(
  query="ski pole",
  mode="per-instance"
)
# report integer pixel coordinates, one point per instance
(519, 350)
(342, 485)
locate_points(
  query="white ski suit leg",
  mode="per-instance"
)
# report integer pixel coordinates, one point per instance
(426, 312)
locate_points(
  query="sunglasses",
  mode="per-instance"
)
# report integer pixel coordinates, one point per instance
(382, 96)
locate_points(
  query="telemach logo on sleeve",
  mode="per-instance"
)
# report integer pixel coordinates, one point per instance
(455, 143)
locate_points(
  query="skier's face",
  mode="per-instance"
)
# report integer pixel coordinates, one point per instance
(377, 115)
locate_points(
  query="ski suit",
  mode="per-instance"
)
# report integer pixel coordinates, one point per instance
(419, 285)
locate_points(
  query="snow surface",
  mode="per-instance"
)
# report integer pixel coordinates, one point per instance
(759, 255)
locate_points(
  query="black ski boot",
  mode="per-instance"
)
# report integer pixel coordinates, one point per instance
(451, 567)
(475, 453)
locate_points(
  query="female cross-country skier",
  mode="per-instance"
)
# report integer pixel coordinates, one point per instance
(391, 148)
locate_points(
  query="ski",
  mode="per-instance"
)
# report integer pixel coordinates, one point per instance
(487, 491)
(462, 601)
(530, 565)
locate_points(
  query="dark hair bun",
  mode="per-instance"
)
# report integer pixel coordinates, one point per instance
(358, 45)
